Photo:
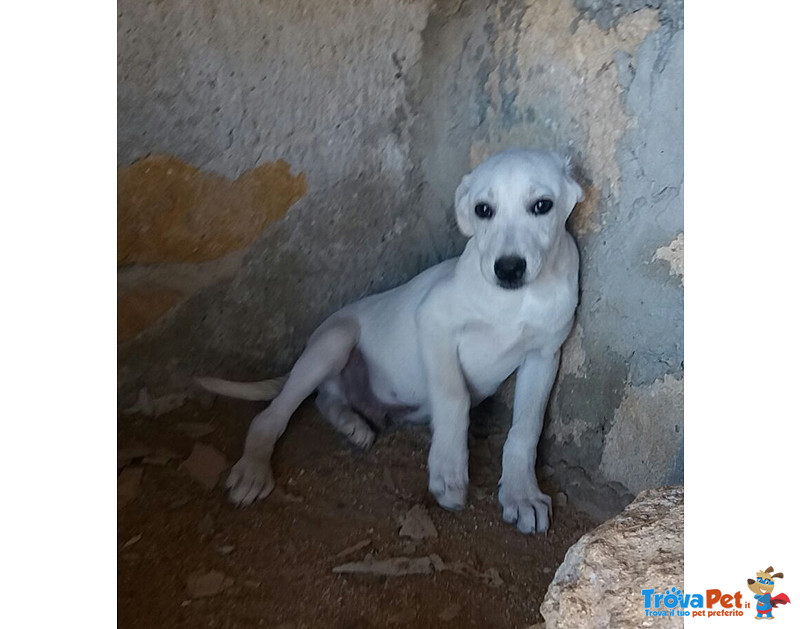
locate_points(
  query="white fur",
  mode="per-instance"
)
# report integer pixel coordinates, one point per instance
(448, 338)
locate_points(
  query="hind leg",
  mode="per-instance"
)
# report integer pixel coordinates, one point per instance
(334, 407)
(325, 356)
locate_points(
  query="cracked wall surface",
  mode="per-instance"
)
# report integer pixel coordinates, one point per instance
(270, 152)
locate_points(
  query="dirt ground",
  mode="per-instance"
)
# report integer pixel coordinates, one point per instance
(274, 561)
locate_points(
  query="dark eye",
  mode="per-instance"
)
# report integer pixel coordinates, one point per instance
(484, 210)
(541, 206)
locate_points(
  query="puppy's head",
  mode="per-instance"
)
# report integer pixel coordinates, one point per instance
(515, 204)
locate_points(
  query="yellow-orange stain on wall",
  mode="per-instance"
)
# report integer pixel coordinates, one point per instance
(582, 220)
(168, 211)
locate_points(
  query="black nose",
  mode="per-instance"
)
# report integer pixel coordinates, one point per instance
(509, 268)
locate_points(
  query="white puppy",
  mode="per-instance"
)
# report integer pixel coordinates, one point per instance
(443, 342)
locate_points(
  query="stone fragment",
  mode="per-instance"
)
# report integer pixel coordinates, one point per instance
(205, 464)
(162, 456)
(353, 549)
(640, 548)
(127, 455)
(417, 524)
(203, 584)
(131, 541)
(449, 613)
(490, 577)
(152, 406)
(392, 567)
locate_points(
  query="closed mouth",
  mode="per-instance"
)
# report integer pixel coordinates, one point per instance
(510, 284)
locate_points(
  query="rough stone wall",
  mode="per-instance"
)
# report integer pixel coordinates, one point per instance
(331, 136)
(262, 145)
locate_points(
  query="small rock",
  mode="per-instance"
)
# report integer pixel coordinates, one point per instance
(394, 567)
(226, 550)
(491, 577)
(125, 456)
(449, 613)
(128, 486)
(203, 584)
(417, 524)
(205, 464)
(437, 563)
(560, 499)
(162, 456)
(147, 404)
(353, 549)
(131, 541)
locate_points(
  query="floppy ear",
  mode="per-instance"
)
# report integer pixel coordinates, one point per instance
(573, 187)
(777, 575)
(462, 207)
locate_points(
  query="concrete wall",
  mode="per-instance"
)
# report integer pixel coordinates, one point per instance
(304, 154)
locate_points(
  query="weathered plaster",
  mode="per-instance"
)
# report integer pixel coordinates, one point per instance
(642, 442)
(673, 255)
(560, 85)
(227, 85)
(573, 356)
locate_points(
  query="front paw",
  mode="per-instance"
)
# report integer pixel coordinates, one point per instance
(249, 480)
(448, 479)
(526, 505)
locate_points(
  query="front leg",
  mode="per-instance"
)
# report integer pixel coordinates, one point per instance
(522, 501)
(449, 398)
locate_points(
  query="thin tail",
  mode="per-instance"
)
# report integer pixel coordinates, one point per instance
(264, 390)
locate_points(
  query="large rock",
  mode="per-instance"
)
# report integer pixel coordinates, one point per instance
(600, 582)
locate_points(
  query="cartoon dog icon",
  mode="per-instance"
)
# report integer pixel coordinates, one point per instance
(763, 585)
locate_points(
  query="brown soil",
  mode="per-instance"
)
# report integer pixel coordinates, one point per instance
(328, 497)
